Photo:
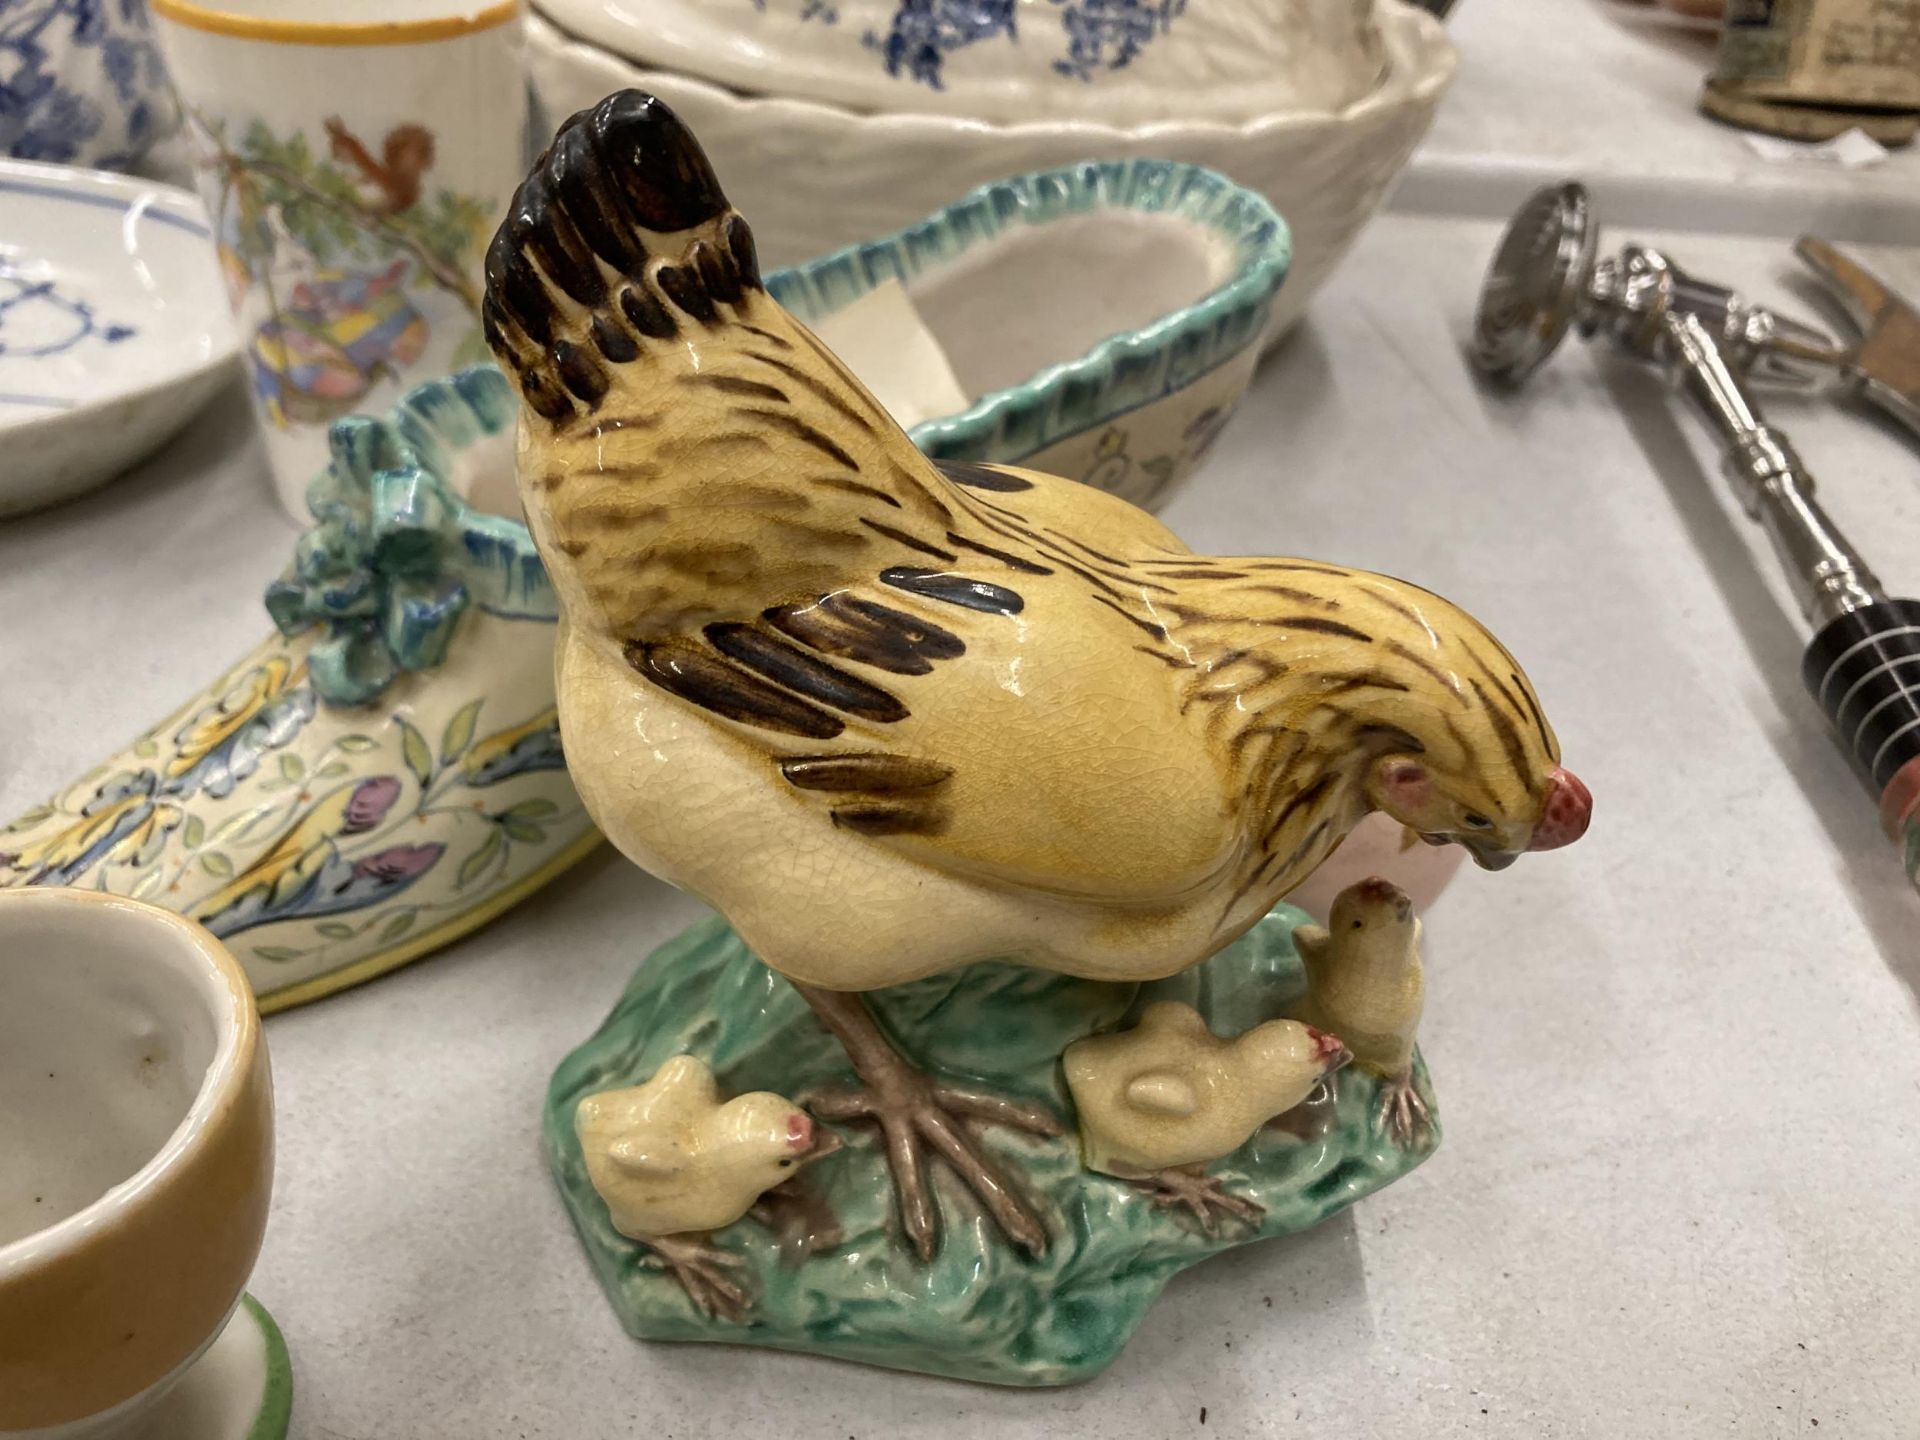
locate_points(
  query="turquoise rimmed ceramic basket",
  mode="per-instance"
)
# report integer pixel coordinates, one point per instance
(1165, 272)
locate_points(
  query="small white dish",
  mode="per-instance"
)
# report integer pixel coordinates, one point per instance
(114, 328)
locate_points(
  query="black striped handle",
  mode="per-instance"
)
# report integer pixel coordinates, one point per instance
(1864, 670)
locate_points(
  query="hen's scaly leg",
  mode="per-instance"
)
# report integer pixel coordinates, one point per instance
(914, 1112)
(1401, 1112)
(701, 1268)
(1189, 1187)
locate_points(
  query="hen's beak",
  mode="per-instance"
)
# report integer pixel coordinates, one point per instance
(1565, 815)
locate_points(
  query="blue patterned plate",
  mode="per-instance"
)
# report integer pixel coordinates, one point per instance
(114, 328)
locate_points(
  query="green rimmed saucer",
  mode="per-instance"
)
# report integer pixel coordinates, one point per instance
(241, 1387)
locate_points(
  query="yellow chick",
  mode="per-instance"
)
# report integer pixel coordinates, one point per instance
(1169, 1094)
(669, 1157)
(1365, 984)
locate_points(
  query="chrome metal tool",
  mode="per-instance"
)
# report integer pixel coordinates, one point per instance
(1862, 665)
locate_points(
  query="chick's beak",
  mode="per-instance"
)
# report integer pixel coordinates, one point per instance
(1330, 1049)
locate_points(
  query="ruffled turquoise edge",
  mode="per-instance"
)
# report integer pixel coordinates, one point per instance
(1122, 372)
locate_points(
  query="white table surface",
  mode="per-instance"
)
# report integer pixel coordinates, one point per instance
(1679, 1064)
(1608, 91)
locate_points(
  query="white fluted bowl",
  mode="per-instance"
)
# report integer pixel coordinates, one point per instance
(813, 177)
(1120, 62)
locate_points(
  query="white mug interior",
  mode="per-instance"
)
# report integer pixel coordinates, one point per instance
(116, 1033)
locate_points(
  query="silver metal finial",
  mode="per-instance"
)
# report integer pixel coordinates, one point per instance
(1537, 283)
(1546, 279)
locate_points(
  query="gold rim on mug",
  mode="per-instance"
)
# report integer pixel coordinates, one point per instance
(325, 32)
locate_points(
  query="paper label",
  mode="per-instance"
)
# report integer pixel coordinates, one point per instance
(1850, 150)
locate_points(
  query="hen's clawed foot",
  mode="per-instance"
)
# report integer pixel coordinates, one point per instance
(701, 1268)
(916, 1113)
(1189, 1187)
(1402, 1113)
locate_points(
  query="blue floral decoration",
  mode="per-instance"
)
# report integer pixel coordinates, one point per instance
(81, 82)
(395, 556)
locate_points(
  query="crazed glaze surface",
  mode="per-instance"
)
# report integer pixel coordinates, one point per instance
(808, 674)
(150, 1228)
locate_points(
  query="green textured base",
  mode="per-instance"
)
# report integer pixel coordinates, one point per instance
(979, 1311)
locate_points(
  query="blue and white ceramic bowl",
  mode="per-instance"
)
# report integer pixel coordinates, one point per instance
(81, 83)
(1126, 62)
(1106, 318)
(113, 325)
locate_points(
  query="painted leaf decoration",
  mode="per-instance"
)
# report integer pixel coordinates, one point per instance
(292, 766)
(276, 952)
(214, 863)
(538, 808)
(459, 734)
(525, 831)
(331, 769)
(397, 926)
(232, 828)
(149, 882)
(334, 930)
(413, 749)
(146, 747)
(31, 818)
(479, 859)
(355, 744)
(194, 832)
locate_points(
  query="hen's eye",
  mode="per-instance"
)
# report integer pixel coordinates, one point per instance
(1476, 822)
(786, 1164)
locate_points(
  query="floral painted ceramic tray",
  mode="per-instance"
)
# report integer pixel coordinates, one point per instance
(113, 325)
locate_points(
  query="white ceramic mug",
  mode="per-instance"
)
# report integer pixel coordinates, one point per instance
(356, 156)
(136, 1163)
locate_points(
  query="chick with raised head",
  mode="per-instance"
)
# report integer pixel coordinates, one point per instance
(1160, 1102)
(673, 1161)
(1366, 985)
(892, 717)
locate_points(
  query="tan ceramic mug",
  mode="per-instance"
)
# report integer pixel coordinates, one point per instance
(136, 1162)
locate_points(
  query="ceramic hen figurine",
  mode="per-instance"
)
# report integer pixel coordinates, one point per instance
(893, 718)
(1157, 1103)
(673, 1161)
(1366, 985)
